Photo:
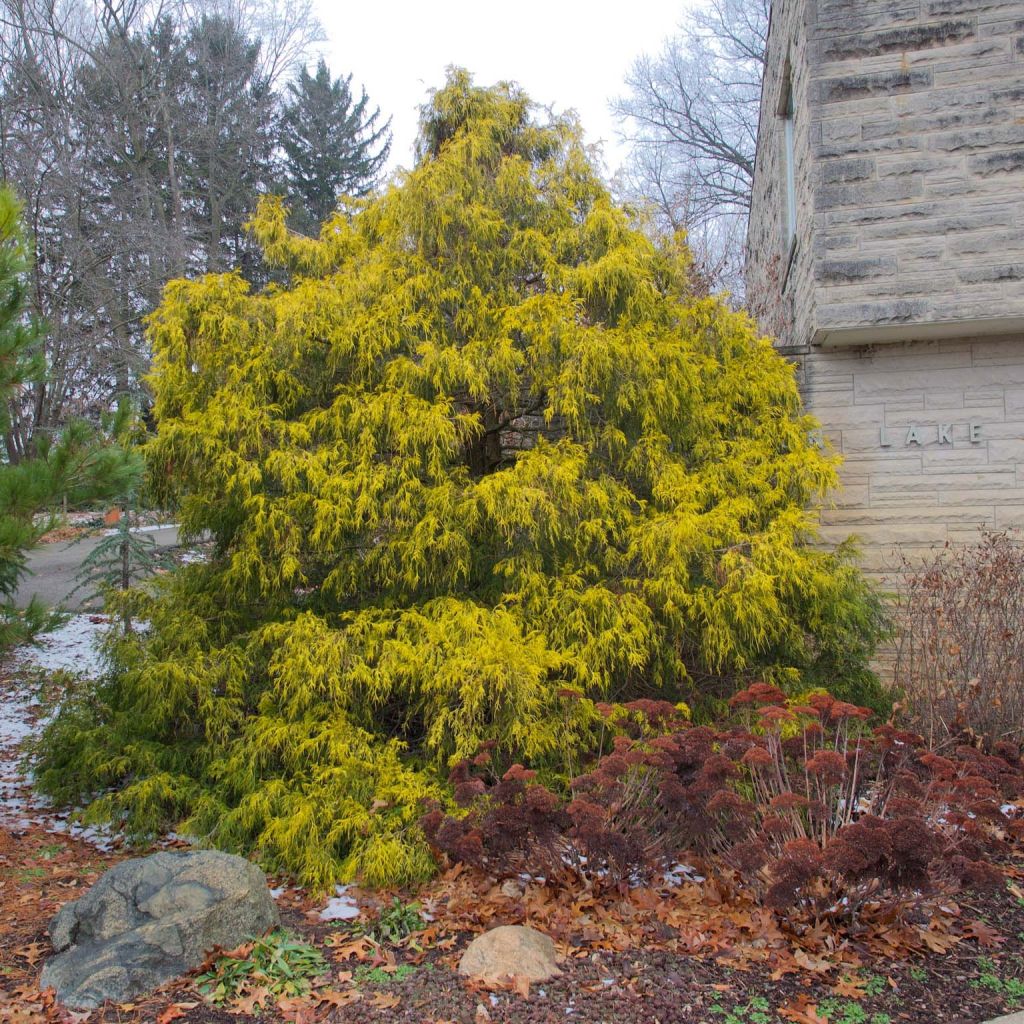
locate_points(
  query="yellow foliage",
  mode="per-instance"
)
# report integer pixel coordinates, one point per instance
(478, 447)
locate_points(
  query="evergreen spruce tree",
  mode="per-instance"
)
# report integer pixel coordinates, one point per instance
(123, 559)
(480, 462)
(77, 466)
(333, 145)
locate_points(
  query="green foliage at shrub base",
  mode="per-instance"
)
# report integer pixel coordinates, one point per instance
(279, 963)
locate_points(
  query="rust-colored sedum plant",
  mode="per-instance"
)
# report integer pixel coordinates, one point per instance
(477, 461)
(818, 812)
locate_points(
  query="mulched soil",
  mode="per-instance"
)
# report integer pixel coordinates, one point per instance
(970, 983)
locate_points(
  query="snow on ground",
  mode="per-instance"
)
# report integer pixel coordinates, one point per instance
(150, 528)
(341, 907)
(15, 718)
(679, 873)
(72, 648)
(20, 806)
(193, 555)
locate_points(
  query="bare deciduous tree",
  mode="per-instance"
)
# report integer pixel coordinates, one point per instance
(691, 115)
(138, 134)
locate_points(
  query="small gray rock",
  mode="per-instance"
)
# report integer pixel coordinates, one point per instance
(511, 951)
(151, 919)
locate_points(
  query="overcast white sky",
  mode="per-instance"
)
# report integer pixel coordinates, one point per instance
(568, 53)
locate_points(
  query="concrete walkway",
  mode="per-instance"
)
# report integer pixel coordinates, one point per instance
(53, 568)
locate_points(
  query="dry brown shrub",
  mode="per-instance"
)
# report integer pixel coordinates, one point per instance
(960, 642)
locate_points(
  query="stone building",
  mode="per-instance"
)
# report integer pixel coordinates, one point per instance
(886, 255)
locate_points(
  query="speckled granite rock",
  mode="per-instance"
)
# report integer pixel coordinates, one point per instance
(151, 919)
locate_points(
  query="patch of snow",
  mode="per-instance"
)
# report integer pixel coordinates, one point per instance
(15, 724)
(193, 556)
(495, 1001)
(16, 711)
(95, 835)
(679, 873)
(152, 528)
(341, 907)
(74, 647)
(278, 892)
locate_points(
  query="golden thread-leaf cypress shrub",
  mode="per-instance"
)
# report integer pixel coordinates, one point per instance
(477, 461)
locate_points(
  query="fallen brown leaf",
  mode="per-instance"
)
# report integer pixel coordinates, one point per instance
(938, 942)
(296, 1009)
(252, 1002)
(174, 1012)
(360, 948)
(802, 1011)
(849, 987)
(986, 935)
(809, 962)
(332, 997)
(32, 952)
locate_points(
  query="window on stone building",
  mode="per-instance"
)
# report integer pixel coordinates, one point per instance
(787, 112)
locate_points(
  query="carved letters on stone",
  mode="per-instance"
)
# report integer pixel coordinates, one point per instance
(940, 433)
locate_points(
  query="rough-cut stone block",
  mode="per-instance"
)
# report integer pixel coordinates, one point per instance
(903, 38)
(1005, 161)
(847, 87)
(867, 193)
(897, 311)
(854, 269)
(845, 170)
(996, 272)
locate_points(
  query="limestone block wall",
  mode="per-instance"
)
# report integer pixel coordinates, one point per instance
(910, 147)
(932, 437)
(918, 142)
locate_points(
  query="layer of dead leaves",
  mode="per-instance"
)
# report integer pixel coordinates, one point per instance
(715, 917)
(64, 534)
(40, 871)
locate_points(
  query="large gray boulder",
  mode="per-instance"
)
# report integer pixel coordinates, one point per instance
(152, 919)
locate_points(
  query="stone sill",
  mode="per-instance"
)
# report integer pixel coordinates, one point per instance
(860, 335)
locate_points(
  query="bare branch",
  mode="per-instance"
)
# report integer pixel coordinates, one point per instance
(691, 117)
